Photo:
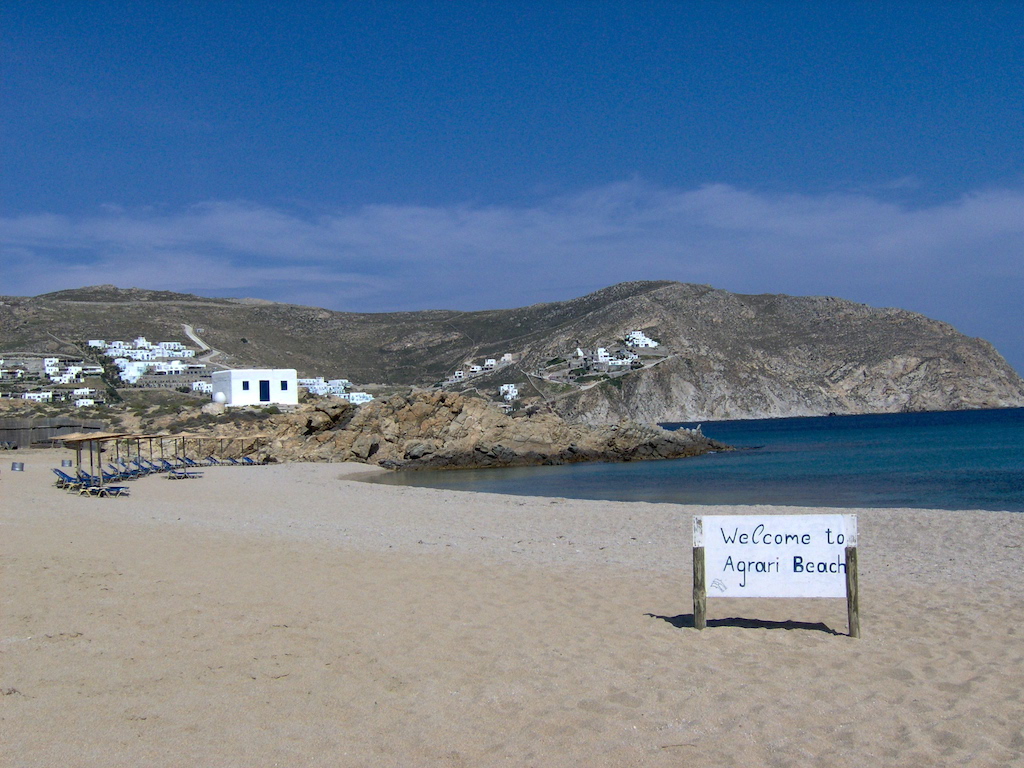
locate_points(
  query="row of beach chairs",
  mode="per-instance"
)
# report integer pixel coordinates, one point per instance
(105, 485)
(85, 484)
(245, 461)
(182, 468)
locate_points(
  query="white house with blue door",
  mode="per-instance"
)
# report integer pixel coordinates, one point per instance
(256, 386)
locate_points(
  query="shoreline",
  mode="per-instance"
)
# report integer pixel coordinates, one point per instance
(289, 614)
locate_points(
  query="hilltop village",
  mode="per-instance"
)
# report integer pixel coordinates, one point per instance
(138, 364)
(106, 367)
(578, 369)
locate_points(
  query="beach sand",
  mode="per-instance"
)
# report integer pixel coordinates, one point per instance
(289, 615)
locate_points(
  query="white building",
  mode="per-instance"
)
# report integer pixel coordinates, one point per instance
(508, 391)
(256, 386)
(357, 398)
(490, 363)
(202, 386)
(317, 386)
(170, 368)
(640, 339)
(84, 402)
(39, 397)
(131, 370)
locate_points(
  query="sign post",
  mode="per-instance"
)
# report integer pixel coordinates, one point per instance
(775, 556)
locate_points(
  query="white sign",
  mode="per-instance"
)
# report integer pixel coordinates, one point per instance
(775, 555)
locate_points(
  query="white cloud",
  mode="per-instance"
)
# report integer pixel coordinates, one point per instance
(387, 257)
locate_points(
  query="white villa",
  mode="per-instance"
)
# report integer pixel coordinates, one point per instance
(336, 388)
(141, 349)
(256, 386)
(509, 392)
(640, 339)
(357, 398)
(10, 373)
(469, 368)
(320, 386)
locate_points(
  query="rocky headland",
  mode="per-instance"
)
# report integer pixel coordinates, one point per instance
(445, 430)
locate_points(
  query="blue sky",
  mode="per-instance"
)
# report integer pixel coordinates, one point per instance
(470, 155)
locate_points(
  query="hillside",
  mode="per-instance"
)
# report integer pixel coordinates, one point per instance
(722, 355)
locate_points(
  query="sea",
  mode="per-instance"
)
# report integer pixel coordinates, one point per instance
(935, 460)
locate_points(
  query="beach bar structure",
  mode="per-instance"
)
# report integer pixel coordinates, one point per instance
(94, 443)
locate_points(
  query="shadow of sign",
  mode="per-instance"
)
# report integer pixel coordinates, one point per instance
(685, 621)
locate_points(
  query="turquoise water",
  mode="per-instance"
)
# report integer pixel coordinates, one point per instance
(947, 460)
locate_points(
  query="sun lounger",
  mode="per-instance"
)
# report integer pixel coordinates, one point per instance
(86, 479)
(143, 467)
(66, 481)
(103, 491)
(180, 474)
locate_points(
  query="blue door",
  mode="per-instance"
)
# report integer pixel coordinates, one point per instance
(264, 391)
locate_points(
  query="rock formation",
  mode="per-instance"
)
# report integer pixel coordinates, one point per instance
(448, 430)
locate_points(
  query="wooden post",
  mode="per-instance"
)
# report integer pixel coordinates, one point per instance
(852, 597)
(700, 594)
(700, 591)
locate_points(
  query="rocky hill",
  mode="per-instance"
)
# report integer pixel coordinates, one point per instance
(721, 355)
(445, 430)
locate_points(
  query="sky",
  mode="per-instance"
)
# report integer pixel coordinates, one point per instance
(381, 156)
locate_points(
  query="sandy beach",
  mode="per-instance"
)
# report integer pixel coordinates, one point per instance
(290, 615)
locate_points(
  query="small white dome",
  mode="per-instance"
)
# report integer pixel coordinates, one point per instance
(220, 397)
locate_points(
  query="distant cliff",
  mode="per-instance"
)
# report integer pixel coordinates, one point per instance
(721, 355)
(733, 356)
